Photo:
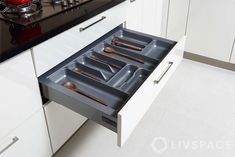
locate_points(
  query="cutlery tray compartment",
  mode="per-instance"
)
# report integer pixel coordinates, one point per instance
(110, 73)
(112, 97)
(133, 37)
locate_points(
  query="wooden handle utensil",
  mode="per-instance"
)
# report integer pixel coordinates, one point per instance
(78, 70)
(117, 42)
(73, 87)
(111, 50)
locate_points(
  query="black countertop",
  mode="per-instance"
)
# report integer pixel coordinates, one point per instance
(15, 39)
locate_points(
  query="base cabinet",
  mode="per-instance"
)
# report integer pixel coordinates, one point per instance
(115, 98)
(29, 140)
(62, 123)
(177, 18)
(152, 17)
(210, 30)
(134, 15)
(145, 16)
(20, 95)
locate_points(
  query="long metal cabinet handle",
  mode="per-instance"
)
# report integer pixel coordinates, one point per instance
(132, 1)
(14, 140)
(84, 28)
(164, 73)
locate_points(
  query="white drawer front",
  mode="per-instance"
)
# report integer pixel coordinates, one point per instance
(20, 95)
(29, 140)
(55, 50)
(137, 106)
(62, 123)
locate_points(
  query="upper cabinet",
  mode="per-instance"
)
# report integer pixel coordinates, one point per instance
(145, 16)
(210, 30)
(177, 18)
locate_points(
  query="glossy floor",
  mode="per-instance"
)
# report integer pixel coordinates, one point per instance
(194, 115)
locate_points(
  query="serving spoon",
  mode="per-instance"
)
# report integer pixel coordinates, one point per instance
(73, 87)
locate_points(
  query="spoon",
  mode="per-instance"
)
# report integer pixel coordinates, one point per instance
(116, 41)
(111, 50)
(73, 87)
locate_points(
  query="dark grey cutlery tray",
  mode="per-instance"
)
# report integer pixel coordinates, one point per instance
(109, 77)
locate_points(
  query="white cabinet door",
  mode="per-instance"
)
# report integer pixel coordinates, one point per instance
(29, 140)
(233, 53)
(134, 15)
(145, 16)
(210, 29)
(152, 17)
(20, 95)
(62, 123)
(177, 18)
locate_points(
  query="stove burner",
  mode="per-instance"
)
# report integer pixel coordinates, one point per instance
(22, 11)
(36, 10)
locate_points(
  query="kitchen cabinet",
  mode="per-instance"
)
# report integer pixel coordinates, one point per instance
(152, 16)
(20, 94)
(233, 53)
(28, 140)
(62, 123)
(177, 18)
(145, 16)
(210, 30)
(134, 15)
(112, 97)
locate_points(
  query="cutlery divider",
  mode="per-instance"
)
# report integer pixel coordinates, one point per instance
(85, 60)
(119, 78)
(157, 49)
(148, 62)
(102, 65)
(122, 76)
(114, 61)
(135, 81)
(93, 72)
(131, 36)
(110, 95)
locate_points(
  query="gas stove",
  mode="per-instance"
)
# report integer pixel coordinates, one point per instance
(36, 10)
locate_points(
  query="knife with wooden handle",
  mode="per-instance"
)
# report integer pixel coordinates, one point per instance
(110, 50)
(117, 42)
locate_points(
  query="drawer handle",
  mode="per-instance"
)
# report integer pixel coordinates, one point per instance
(132, 1)
(164, 73)
(84, 28)
(14, 140)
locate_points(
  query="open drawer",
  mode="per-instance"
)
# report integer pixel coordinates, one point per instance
(115, 79)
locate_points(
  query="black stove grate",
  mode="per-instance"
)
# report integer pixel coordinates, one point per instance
(36, 11)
